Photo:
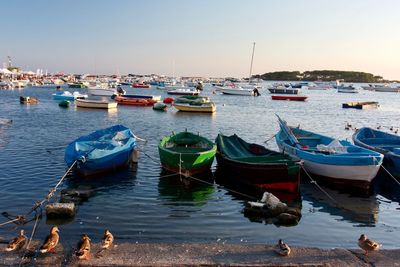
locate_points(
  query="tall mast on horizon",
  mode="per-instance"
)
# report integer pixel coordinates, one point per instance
(252, 57)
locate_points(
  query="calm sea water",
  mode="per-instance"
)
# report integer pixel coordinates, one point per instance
(142, 205)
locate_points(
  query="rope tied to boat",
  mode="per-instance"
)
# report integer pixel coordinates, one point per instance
(386, 170)
(312, 181)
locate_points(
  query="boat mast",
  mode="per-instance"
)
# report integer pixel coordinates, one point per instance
(251, 64)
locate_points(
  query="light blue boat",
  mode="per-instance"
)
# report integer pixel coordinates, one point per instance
(385, 143)
(331, 160)
(101, 151)
(66, 95)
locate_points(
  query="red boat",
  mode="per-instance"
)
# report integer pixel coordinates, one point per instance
(140, 85)
(134, 101)
(289, 97)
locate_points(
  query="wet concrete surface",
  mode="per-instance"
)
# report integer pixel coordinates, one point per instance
(128, 254)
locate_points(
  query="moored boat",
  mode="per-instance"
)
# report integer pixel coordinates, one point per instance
(122, 100)
(256, 165)
(101, 151)
(186, 153)
(183, 92)
(384, 143)
(336, 162)
(64, 103)
(141, 85)
(66, 95)
(28, 100)
(153, 97)
(207, 107)
(237, 91)
(289, 97)
(160, 106)
(282, 89)
(361, 105)
(92, 103)
(102, 91)
(347, 89)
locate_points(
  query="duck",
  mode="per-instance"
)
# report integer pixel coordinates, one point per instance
(379, 127)
(83, 249)
(51, 241)
(107, 240)
(17, 242)
(282, 248)
(367, 244)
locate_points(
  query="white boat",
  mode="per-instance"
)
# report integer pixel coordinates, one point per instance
(183, 91)
(91, 103)
(382, 88)
(235, 91)
(282, 89)
(102, 91)
(347, 89)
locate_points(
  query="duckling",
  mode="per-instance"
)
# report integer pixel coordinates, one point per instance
(51, 241)
(367, 244)
(396, 131)
(379, 127)
(391, 128)
(83, 249)
(108, 240)
(282, 248)
(17, 242)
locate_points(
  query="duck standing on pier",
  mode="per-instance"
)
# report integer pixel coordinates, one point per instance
(107, 240)
(282, 248)
(17, 242)
(367, 244)
(83, 249)
(51, 241)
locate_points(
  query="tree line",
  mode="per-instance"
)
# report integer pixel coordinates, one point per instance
(321, 75)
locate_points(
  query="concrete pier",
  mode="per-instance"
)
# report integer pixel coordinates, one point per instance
(128, 254)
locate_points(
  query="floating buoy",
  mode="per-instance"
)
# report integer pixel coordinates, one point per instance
(168, 100)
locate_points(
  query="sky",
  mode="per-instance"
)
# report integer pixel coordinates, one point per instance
(212, 38)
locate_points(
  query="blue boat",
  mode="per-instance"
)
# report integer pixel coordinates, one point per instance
(335, 161)
(66, 95)
(101, 151)
(385, 143)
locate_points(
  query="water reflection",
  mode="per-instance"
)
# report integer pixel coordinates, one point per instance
(387, 186)
(352, 208)
(81, 189)
(177, 190)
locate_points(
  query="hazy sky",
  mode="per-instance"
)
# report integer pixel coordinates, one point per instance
(202, 37)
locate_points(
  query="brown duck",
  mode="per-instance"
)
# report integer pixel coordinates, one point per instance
(17, 242)
(282, 248)
(51, 241)
(83, 249)
(107, 240)
(367, 244)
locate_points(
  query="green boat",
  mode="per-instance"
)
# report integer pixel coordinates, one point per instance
(186, 153)
(64, 103)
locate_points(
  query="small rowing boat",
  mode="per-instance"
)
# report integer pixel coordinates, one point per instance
(361, 105)
(289, 97)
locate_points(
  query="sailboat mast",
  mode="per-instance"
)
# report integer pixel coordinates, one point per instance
(251, 64)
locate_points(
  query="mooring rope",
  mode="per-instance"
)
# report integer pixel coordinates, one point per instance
(38, 217)
(389, 174)
(319, 187)
(52, 190)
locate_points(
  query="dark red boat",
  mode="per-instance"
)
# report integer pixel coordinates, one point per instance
(134, 101)
(289, 97)
(140, 85)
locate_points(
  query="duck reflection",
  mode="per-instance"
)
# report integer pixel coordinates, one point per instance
(177, 190)
(353, 208)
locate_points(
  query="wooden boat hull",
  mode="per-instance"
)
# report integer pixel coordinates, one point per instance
(94, 156)
(205, 107)
(361, 105)
(381, 142)
(130, 101)
(288, 97)
(87, 103)
(28, 100)
(356, 167)
(186, 153)
(263, 168)
(290, 91)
